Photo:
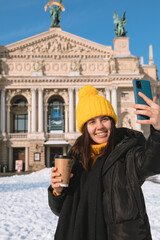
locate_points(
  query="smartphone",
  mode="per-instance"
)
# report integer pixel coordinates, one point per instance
(143, 86)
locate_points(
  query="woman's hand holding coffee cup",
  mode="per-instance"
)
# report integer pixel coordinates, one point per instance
(56, 180)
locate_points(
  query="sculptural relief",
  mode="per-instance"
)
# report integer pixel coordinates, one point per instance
(48, 93)
(92, 67)
(55, 67)
(57, 44)
(113, 65)
(64, 67)
(18, 66)
(38, 66)
(27, 66)
(84, 67)
(100, 67)
(47, 67)
(107, 67)
(10, 67)
(10, 94)
(75, 66)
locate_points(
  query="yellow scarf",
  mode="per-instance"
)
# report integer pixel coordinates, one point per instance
(96, 150)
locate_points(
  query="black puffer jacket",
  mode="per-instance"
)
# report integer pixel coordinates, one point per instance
(121, 176)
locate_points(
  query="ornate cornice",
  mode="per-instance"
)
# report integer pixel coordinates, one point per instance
(13, 81)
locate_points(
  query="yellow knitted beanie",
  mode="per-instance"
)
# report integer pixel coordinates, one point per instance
(92, 105)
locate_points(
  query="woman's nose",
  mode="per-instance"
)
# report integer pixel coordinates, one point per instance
(99, 124)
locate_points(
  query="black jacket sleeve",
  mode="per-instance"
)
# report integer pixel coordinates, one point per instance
(55, 202)
(148, 158)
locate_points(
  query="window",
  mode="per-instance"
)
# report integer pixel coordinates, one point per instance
(55, 116)
(124, 95)
(19, 115)
(20, 123)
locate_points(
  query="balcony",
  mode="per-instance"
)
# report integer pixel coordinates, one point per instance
(17, 135)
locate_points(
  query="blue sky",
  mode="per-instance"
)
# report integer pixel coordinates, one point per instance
(90, 19)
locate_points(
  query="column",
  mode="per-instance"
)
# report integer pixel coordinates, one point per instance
(64, 150)
(33, 110)
(71, 110)
(108, 94)
(48, 157)
(29, 118)
(66, 119)
(8, 118)
(45, 117)
(77, 90)
(3, 111)
(40, 110)
(10, 158)
(151, 61)
(114, 99)
(26, 159)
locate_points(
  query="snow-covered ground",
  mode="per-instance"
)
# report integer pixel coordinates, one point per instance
(24, 211)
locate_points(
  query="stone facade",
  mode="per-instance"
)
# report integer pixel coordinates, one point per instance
(45, 72)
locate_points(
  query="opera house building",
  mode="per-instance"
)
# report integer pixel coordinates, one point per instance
(39, 82)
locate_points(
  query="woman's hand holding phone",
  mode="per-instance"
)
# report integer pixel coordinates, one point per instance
(152, 111)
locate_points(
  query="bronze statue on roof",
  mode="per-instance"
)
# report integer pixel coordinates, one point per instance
(120, 23)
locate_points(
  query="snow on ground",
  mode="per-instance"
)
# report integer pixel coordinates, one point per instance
(24, 211)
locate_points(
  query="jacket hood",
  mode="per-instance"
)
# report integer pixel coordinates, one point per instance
(124, 134)
(125, 140)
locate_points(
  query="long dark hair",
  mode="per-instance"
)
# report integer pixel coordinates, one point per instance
(81, 149)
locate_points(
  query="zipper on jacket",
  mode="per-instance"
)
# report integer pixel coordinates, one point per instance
(112, 205)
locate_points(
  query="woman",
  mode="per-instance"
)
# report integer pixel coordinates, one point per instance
(104, 200)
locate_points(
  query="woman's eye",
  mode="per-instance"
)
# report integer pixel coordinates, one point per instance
(105, 119)
(91, 121)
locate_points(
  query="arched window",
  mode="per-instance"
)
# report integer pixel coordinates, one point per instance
(19, 115)
(56, 115)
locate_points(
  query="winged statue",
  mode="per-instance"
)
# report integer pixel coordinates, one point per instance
(120, 23)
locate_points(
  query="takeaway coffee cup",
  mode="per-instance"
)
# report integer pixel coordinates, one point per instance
(63, 165)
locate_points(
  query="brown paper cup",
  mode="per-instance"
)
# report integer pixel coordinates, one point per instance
(63, 165)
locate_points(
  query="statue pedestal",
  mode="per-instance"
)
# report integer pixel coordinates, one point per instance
(37, 73)
(55, 28)
(72, 73)
(121, 46)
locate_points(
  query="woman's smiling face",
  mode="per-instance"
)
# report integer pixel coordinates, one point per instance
(99, 129)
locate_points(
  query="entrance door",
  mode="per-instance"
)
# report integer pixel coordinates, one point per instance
(55, 151)
(19, 154)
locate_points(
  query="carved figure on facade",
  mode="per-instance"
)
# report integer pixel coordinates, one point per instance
(4, 69)
(56, 45)
(113, 65)
(38, 66)
(107, 67)
(75, 66)
(120, 23)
